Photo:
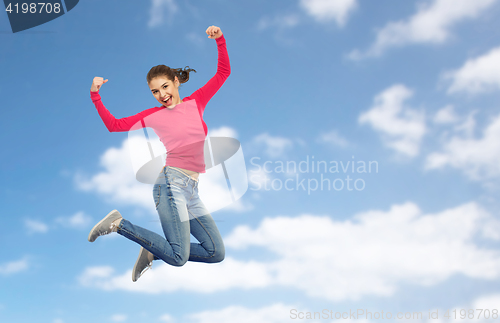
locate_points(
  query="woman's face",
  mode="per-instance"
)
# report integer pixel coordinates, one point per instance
(165, 91)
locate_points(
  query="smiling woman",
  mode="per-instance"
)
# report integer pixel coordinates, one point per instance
(182, 130)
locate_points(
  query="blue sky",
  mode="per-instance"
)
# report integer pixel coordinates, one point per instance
(412, 86)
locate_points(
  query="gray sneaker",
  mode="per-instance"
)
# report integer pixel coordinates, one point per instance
(105, 226)
(142, 264)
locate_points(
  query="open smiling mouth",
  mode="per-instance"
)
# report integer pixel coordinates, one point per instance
(167, 100)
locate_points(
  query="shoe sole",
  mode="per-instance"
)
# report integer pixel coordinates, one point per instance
(98, 224)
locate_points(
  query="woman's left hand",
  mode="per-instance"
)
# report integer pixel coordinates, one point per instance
(213, 32)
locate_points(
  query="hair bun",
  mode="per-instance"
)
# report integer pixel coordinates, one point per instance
(170, 73)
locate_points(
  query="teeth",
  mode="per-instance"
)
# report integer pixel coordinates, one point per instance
(166, 99)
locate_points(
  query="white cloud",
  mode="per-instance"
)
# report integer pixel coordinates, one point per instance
(375, 252)
(432, 23)
(370, 254)
(401, 127)
(487, 302)
(35, 226)
(14, 267)
(276, 313)
(273, 313)
(119, 318)
(477, 75)
(333, 138)
(157, 11)
(93, 273)
(223, 131)
(446, 115)
(478, 158)
(327, 10)
(274, 147)
(117, 182)
(190, 277)
(77, 221)
(322, 11)
(482, 308)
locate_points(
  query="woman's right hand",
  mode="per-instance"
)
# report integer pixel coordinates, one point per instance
(97, 83)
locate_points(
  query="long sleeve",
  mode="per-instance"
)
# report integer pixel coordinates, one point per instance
(205, 93)
(117, 125)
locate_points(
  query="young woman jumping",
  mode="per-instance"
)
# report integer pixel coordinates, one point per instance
(181, 129)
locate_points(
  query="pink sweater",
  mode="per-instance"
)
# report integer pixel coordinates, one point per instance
(181, 129)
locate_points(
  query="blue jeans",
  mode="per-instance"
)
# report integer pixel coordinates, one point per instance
(181, 212)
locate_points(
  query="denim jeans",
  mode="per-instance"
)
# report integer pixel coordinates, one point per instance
(181, 212)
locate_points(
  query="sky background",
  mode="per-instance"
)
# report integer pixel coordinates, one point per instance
(411, 86)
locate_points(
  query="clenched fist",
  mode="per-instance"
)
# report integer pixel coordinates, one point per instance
(213, 32)
(97, 83)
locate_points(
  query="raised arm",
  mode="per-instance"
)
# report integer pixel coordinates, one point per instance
(205, 93)
(113, 124)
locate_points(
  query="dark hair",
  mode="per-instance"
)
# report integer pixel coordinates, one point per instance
(170, 73)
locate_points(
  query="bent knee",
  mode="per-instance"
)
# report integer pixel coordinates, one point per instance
(179, 262)
(219, 255)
